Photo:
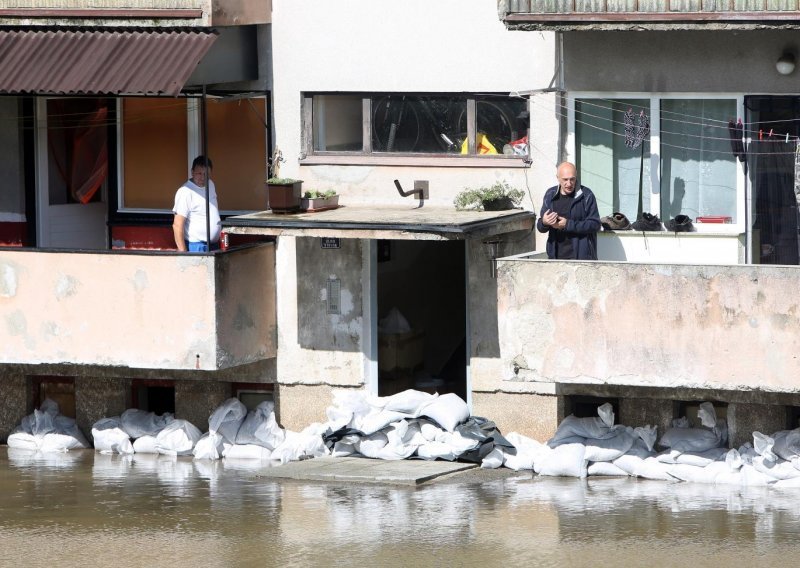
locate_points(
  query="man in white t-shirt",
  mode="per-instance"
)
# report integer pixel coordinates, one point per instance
(189, 223)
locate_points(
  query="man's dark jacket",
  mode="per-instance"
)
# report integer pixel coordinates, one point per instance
(582, 225)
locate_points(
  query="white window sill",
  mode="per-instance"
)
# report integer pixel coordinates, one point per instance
(442, 161)
(701, 230)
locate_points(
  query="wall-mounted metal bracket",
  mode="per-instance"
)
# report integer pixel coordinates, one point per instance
(420, 190)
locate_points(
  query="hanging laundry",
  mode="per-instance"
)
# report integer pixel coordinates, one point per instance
(736, 133)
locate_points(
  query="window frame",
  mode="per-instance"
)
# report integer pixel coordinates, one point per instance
(194, 148)
(366, 156)
(654, 195)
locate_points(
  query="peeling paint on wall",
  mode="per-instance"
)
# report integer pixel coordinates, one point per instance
(8, 280)
(66, 286)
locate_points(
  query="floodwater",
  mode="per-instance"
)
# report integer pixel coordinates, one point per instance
(87, 509)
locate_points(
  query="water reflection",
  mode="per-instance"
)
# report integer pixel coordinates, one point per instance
(142, 510)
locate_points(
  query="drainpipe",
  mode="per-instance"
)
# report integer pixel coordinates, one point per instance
(204, 121)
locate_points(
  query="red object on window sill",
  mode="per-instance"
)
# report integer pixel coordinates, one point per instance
(715, 219)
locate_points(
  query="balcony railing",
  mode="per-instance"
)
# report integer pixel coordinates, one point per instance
(574, 14)
(149, 13)
(140, 310)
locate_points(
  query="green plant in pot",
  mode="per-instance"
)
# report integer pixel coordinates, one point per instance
(316, 200)
(283, 194)
(496, 197)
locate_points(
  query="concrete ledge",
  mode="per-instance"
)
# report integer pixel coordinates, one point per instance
(365, 470)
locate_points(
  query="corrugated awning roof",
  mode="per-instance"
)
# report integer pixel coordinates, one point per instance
(100, 62)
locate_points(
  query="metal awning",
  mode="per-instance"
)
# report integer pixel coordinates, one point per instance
(384, 222)
(100, 62)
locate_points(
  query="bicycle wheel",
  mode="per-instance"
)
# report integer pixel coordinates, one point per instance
(496, 122)
(395, 125)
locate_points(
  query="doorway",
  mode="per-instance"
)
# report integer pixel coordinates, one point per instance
(772, 159)
(73, 158)
(422, 319)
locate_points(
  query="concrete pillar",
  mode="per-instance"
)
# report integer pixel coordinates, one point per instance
(532, 415)
(13, 402)
(97, 398)
(196, 400)
(297, 406)
(744, 419)
(646, 412)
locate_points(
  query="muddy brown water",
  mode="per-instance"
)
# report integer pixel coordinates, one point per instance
(87, 509)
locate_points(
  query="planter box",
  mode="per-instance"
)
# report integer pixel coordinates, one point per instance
(285, 197)
(319, 203)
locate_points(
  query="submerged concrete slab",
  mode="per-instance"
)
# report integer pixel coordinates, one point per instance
(365, 470)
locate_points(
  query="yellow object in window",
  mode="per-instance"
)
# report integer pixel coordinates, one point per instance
(484, 146)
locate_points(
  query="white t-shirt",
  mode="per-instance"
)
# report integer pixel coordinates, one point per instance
(190, 202)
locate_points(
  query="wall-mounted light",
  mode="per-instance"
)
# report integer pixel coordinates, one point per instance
(786, 63)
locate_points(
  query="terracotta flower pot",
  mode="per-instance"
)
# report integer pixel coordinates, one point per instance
(284, 197)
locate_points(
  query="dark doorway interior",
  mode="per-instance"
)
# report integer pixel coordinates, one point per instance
(422, 317)
(774, 127)
(154, 396)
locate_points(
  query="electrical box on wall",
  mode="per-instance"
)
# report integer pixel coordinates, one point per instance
(334, 296)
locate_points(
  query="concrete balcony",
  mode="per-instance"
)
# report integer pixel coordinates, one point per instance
(627, 324)
(568, 15)
(135, 13)
(156, 310)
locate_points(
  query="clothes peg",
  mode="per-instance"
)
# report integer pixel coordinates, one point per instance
(787, 137)
(770, 133)
(760, 134)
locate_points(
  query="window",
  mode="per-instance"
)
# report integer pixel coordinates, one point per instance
(253, 394)
(160, 138)
(686, 142)
(405, 124)
(154, 395)
(61, 390)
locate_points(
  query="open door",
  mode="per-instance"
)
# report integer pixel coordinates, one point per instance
(422, 316)
(72, 172)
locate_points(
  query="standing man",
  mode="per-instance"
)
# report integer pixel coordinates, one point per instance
(189, 223)
(570, 217)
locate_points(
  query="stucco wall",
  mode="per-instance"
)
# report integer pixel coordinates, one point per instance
(146, 311)
(659, 325)
(364, 46)
(13, 401)
(196, 400)
(99, 397)
(678, 61)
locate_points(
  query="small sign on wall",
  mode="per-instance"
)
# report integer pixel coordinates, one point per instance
(330, 242)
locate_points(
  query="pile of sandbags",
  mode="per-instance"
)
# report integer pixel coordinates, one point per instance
(139, 431)
(47, 430)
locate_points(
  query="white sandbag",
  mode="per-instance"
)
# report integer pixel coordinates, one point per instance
(137, 423)
(566, 440)
(177, 438)
(645, 467)
(793, 483)
(751, 477)
(145, 445)
(606, 468)
(787, 443)
(697, 459)
(691, 439)
(436, 450)
(648, 435)
(609, 449)
(226, 419)
(527, 449)
(378, 420)
(595, 428)
(707, 415)
(566, 461)
(110, 438)
(370, 446)
(297, 445)
(246, 451)
(261, 428)
(343, 449)
(429, 430)
(493, 459)
(777, 469)
(763, 444)
(447, 410)
(402, 441)
(209, 447)
(408, 401)
(23, 441)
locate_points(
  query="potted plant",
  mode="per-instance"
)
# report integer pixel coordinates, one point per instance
(496, 197)
(314, 200)
(283, 194)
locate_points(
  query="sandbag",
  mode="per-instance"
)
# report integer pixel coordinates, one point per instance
(447, 410)
(493, 460)
(691, 439)
(209, 447)
(787, 443)
(246, 452)
(227, 418)
(145, 445)
(566, 461)
(260, 427)
(409, 401)
(609, 449)
(110, 438)
(596, 428)
(527, 449)
(606, 469)
(137, 423)
(45, 430)
(177, 438)
(300, 445)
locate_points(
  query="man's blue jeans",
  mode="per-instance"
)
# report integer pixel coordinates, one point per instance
(200, 246)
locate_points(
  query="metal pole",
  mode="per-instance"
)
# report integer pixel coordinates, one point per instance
(204, 121)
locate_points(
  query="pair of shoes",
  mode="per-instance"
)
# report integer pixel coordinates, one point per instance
(615, 222)
(648, 222)
(680, 224)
